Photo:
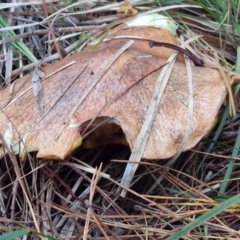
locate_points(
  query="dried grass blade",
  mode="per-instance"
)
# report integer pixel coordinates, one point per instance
(87, 169)
(189, 117)
(227, 82)
(92, 191)
(190, 111)
(147, 125)
(22, 183)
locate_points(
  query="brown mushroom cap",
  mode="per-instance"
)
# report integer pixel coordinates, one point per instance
(123, 94)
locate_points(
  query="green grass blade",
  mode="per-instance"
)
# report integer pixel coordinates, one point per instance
(18, 44)
(231, 164)
(205, 217)
(14, 235)
(217, 134)
(235, 152)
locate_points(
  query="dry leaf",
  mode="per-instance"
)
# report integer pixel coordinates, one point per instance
(120, 98)
(127, 9)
